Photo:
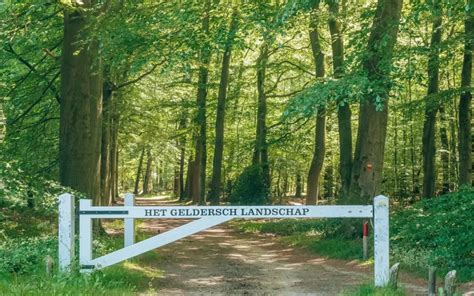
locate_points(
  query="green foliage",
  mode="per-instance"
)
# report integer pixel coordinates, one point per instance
(338, 248)
(369, 289)
(321, 227)
(23, 256)
(324, 93)
(250, 188)
(23, 272)
(20, 190)
(440, 229)
(317, 235)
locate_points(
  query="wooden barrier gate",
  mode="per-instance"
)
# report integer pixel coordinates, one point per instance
(207, 216)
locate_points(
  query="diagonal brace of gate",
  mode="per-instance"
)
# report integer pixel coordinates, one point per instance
(154, 242)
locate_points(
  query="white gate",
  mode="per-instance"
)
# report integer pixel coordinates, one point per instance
(206, 217)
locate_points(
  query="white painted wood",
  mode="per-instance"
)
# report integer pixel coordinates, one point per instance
(214, 215)
(381, 241)
(158, 241)
(250, 212)
(129, 223)
(66, 231)
(85, 234)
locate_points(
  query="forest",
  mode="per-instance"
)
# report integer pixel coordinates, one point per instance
(235, 102)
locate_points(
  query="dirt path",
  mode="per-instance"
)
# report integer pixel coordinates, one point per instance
(222, 261)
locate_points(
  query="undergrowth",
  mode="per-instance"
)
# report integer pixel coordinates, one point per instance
(23, 270)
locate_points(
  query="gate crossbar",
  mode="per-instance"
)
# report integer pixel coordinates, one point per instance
(206, 217)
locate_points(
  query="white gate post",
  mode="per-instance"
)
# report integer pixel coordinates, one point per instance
(85, 236)
(129, 223)
(381, 241)
(66, 231)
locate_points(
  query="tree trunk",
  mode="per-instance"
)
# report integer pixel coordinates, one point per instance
(299, 186)
(105, 155)
(443, 134)
(188, 187)
(367, 168)
(329, 177)
(147, 177)
(199, 174)
(215, 191)
(260, 155)
(344, 111)
(316, 166)
(181, 174)
(114, 116)
(139, 171)
(81, 107)
(465, 102)
(432, 105)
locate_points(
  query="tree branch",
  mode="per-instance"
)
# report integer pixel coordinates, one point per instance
(35, 102)
(116, 87)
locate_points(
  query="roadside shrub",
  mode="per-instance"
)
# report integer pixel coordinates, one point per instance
(441, 228)
(26, 255)
(250, 188)
(19, 191)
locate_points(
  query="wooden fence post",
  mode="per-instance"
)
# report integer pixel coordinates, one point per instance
(381, 241)
(432, 281)
(394, 275)
(85, 236)
(129, 223)
(450, 283)
(66, 231)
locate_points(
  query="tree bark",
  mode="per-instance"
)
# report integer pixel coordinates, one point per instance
(367, 168)
(260, 155)
(188, 187)
(317, 162)
(114, 117)
(139, 171)
(432, 106)
(443, 134)
(105, 155)
(465, 102)
(199, 173)
(147, 177)
(343, 111)
(81, 107)
(298, 186)
(215, 191)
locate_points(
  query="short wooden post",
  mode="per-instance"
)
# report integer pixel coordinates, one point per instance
(432, 281)
(129, 223)
(450, 283)
(394, 275)
(365, 234)
(85, 236)
(49, 262)
(66, 231)
(381, 241)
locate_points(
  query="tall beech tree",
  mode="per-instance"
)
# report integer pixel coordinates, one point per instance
(260, 155)
(366, 178)
(316, 166)
(215, 190)
(147, 176)
(199, 171)
(139, 171)
(432, 105)
(81, 104)
(465, 100)
(344, 110)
